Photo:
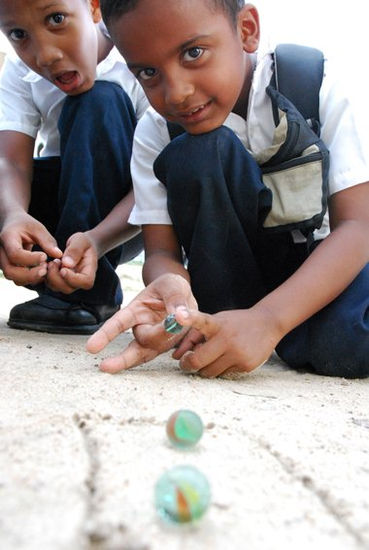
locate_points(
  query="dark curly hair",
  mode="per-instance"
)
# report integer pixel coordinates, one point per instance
(113, 9)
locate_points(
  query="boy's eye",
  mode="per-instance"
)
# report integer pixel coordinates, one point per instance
(193, 53)
(56, 18)
(146, 74)
(16, 35)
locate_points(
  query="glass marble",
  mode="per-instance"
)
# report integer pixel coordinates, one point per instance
(171, 325)
(182, 495)
(184, 428)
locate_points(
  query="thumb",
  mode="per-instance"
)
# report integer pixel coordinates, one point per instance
(203, 322)
(174, 291)
(72, 254)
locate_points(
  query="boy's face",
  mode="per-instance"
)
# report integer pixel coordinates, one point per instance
(56, 38)
(189, 58)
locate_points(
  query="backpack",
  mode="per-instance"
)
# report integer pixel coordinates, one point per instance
(300, 199)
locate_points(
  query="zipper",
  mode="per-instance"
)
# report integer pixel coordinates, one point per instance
(300, 161)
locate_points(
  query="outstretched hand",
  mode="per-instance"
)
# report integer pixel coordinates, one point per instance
(169, 293)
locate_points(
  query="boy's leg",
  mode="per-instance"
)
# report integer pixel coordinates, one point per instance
(96, 134)
(335, 341)
(217, 202)
(96, 130)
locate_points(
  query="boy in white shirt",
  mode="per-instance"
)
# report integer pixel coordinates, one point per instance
(265, 286)
(64, 216)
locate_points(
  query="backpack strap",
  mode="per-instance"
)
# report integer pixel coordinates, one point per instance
(298, 75)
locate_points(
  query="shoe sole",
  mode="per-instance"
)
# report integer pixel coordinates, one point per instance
(54, 329)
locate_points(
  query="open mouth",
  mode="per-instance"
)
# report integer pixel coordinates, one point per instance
(66, 78)
(67, 81)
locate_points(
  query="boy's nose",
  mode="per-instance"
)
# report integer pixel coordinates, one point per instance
(47, 54)
(176, 92)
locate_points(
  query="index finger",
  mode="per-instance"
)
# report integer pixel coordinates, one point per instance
(203, 322)
(18, 255)
(133, 356)
(120, 322)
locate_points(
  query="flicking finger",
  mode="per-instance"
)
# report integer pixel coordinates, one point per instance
(132, 356)
(192, 339)
(119, 322)
(203, 322)
(203, 355)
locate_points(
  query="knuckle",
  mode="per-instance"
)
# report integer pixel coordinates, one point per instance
(190, 362)
(12, 256)
(7, 273)
(193, 361)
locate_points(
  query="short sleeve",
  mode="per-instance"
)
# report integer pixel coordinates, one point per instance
(341, 115)
(18, 111)
(151, 137)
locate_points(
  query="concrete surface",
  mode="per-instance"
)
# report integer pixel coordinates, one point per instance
(286, 453)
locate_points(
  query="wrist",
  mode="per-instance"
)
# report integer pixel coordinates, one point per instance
(92, 236)
(14, 212)
(12, 216)
(274, 323)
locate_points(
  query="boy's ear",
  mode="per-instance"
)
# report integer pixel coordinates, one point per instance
(248, 27)
(95, 10)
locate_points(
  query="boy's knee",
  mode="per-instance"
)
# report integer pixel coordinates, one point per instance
(191, 156)
(336, 346)
(331, 361)
(342, 349)
(102, 93)
(104, 109)
(343, 367)
(104, 101)
(341, 332)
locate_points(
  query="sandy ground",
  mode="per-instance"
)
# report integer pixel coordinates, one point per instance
(286, 453)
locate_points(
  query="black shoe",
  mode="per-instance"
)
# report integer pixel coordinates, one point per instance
(49, 314)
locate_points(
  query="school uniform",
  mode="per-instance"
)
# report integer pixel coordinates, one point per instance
(83, 149)
(211, 188)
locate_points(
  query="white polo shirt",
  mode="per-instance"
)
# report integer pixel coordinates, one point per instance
(340, 131)
(31, 104)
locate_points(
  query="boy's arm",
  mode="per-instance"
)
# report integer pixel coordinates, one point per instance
(114, 229)
(19, 231)
(331, 267)
(162, 253)
(242, 340)
(77, 268)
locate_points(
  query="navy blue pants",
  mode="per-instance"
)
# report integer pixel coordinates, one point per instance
(217, 202)
(76, 191)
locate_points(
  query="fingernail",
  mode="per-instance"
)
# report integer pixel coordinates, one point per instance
(184, 311)
(68, 261)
